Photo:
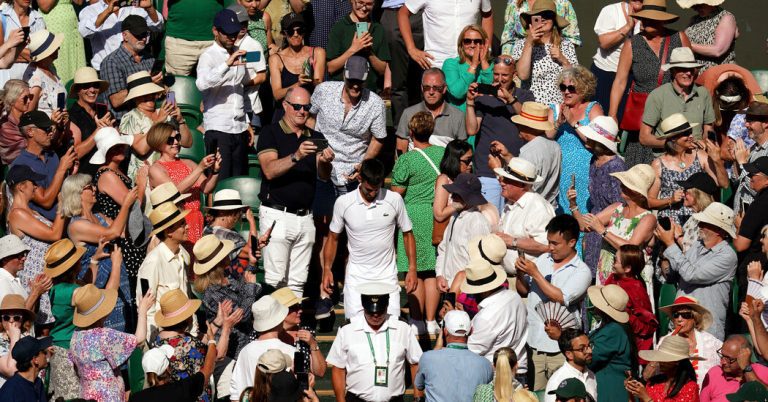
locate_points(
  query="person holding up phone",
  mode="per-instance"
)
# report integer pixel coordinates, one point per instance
(44, 84)
(87, 115)
(472, 65)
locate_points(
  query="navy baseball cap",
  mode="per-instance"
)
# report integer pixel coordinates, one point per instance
(20, 173)
(759, 165)
(226, 22)
(28, 347)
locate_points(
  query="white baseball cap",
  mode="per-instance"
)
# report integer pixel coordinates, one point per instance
(457, 323)
(156, 360)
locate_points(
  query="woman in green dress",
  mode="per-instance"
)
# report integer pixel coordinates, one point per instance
(414, 177)
(612, 353)
(60, 18)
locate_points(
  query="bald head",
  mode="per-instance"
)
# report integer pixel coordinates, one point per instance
(297, 95)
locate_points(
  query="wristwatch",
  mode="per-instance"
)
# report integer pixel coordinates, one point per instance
(748, 369)
(294, 159)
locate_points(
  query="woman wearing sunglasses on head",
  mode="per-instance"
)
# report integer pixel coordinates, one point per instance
(16, 323)
(472, 65)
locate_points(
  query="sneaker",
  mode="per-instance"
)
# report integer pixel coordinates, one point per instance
(419, 327)
(433, 328)
(323, 308)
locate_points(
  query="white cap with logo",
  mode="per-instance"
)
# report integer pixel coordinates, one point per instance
(457, 323)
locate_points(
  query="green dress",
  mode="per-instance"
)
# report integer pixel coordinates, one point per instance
(62, 20)
(257, 29)
(417, 176)
(611, 357)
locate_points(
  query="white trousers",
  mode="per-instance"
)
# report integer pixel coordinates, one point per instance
(286, 256)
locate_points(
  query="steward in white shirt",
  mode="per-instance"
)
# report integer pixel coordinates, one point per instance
(369, 354)
(576, 347)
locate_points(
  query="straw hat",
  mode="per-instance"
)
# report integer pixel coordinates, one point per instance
(209, 251)
(718, 215)
(611, 300)
(14, 301)
(681, 57)
(61, 256)
(86, 75)
(175, 307)
(490, 248)
(226, 200)
(106, 138)
(655, 10)
(93, 304)
(602, 129)
(43, 44)
(639, 178)
(542, 6)
(481, 277)
(519, 169)
(534, 115)
(693, 304)
(675, 124)
(286, 297)
(164, 216)
(274, 361)
(690, 3)
(140, 84)
(267, 313)
(164, 193)
(671, 349)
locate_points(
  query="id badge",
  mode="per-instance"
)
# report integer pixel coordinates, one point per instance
(381, 376)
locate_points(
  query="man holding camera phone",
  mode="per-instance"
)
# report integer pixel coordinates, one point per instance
(292, 156)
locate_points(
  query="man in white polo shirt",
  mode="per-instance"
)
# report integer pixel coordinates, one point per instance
(13, 253)
(370, 215)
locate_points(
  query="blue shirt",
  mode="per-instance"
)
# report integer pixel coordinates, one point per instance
(440, 371)
(392, 3)
(572, 279)
(47, 167)
(19, 389)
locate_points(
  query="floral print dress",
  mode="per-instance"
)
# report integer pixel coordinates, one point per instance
(33, 266)
(624, 228)
(97, 354)
(188, 358)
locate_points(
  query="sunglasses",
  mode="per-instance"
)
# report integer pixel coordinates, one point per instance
(89, 85)
(295, 31)
(296, 107)
(466, 161)
(436, 88)
(686, 315)
(173, 139)
(12, 317)
(468, 41)
(569, 88)
(506, 60)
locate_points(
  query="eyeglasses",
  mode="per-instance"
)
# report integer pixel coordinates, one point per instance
(363, 5)
(296, 106)
(506, 60)
(721, 356)
(12, 317)
(584, 348)
(173, 139)
(569, 88)
(686, 315)
(468, 41)
(436, 88)
(295, 31)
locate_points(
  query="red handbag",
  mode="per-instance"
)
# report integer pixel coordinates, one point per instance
(632, 119)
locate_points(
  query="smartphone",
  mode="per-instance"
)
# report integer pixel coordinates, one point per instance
(744, 206)
(307, 70)
(144, 286)
(628, 374)
(362, 27)
(303, 379)
(665, 222)
(486, 89)
(251, 57)
(170, 98)
(25, 30)
(712, 136)
(320, 143)
(61, 101)
(157, 67)
(101, 109)
(573, 180)
(299, 362)
(535, 20)
(451, 298)
(109, 248)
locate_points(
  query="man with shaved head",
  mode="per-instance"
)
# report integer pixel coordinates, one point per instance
(734, 370)
(291, 155)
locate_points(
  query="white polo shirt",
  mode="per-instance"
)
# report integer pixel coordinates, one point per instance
(525, 218)
(443, 22)
(567, 371)
(351, 351)
(248, 359)
(10, 284)
(371, 231)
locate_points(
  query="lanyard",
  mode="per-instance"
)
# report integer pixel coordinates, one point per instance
(456, 346)
(370, 344)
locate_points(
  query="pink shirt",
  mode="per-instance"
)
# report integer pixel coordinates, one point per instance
(716, 386)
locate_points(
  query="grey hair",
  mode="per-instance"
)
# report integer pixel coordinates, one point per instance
(431, 71)
(11, 92)
(71, 203)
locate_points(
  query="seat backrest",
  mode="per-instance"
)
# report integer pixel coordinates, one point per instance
(196, 152)
(667, 295)
(186, 92)
(248, 187)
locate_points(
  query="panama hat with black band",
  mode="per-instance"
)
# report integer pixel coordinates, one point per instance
(227, 200)
(140, 84)
(481, 277)
(209, 251)
(655, 10)
(61, 256)
(166, 192)
(43, 44)
(165, 216)
(674, 125)
(521, 170)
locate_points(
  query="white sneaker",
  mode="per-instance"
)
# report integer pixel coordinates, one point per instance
(419, 327)
(433, 328)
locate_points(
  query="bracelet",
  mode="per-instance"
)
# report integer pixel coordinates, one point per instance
(215, 172)
(215, 325)
(514, 242)
(94, 262)
(604, 232)
(470, 104)
(514, 100)
(212, 342)
(315, 349)
(182, 122)
(574, 209)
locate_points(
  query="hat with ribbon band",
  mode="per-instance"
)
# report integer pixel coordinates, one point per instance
(93, 304)
(164, 216)
(209, 251)
(61, 256)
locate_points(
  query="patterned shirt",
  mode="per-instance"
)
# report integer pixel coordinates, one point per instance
(116, 68)
(348, 133)
(237, 266)
(188, 357)
(744, 193)
(243, 294)
(513, 27)
(325, 14)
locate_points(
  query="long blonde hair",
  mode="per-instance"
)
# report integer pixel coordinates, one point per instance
(504, 360)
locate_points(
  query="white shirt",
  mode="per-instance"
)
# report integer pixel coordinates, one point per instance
(248, 359)
(223, 91)
(351, 351)
(11, 285)
(443, 22)
(371, 233)
(525, 218)
(108, 37)
(611, 19)
(501, 321)
(11, 22)
(452, 252)
(165, 271)
(567, 371)
(252, 101)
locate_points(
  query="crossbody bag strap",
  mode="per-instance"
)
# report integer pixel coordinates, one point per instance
(428, 160)
(664, 58)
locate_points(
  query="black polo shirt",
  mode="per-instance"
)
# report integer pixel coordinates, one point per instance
(185, 390)
(754, 220)
(296, 188)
